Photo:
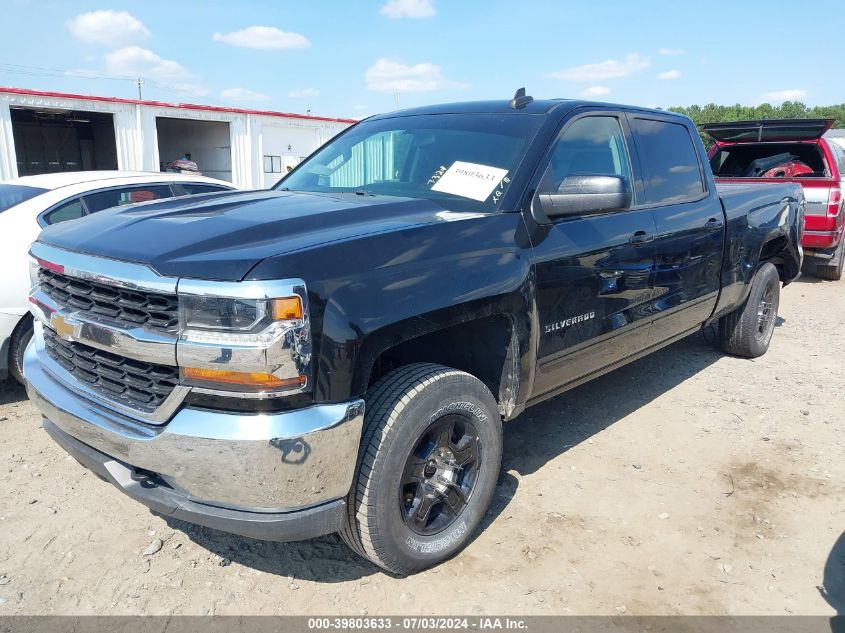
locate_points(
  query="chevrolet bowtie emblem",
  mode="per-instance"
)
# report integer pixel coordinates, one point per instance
(62, 327)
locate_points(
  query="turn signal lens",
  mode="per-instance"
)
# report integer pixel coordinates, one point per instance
(247, 379)
(287, 309)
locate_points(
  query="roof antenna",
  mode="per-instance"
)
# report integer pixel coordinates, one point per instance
(520, 99)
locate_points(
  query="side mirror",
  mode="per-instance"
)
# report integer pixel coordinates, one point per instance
(582, 194)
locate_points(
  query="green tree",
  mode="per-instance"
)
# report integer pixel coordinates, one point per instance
(712, 113)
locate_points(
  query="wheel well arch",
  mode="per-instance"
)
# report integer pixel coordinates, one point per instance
(774, 251)
(486, 347)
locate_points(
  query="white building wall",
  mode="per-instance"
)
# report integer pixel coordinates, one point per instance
(287, 142)
(128, 139)
(146, 121)
(250, 137)
(292, 140)
(8, 163)
(240, 140)
(256, 152)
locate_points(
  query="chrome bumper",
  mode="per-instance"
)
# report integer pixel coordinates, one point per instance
(266, 463)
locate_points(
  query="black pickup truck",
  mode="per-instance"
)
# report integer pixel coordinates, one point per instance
(338, 354)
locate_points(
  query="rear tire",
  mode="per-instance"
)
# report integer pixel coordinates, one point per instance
(747, 331)
(833, 271)
(427, 467)
(21, 336)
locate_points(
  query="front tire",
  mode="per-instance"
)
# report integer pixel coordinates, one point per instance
(747, 331)
(427, 467)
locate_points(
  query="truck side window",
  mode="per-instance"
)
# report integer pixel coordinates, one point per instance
(671, 169)
(592, 145)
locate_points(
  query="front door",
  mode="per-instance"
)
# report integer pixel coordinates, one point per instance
(594, 273)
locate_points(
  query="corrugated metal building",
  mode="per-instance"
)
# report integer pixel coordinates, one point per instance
(44, 132)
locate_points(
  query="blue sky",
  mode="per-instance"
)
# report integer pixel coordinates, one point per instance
(340, 58)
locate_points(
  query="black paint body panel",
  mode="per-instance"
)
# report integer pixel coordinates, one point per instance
(381, 271)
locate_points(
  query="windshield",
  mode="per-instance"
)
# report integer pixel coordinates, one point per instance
(462, 161)
(10, 195)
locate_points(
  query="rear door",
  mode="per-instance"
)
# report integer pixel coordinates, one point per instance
(689, 220)
(594, 272)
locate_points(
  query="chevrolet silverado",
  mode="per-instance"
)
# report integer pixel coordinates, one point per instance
(338, 354)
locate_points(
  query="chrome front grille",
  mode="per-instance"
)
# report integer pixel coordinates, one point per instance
(136, 384)
(120, 306)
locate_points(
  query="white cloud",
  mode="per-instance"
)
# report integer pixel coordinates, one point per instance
(396, 9)
(387, 75)
(608, 69)
(671, 52)
(595, 91)
(670, 74)
(779, 96)
(303, 93)
(134, 61)
(108, 27)
(242, 94)
(263, 38)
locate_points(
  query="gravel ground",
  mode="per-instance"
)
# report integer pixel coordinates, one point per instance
(686, 483)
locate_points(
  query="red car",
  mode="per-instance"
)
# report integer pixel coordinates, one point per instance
(792, 150)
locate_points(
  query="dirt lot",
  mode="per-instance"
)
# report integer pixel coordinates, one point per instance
(687, 482)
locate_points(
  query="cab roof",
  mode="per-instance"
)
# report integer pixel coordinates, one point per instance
(502, 106)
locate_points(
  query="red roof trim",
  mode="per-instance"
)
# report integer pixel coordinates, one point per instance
(181, 106)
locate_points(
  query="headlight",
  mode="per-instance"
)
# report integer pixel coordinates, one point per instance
(248, 338)
(231, 315)
(237, 321)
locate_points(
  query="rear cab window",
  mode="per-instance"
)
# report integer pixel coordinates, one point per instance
(125, 195)
(193, 188)
(671, 170)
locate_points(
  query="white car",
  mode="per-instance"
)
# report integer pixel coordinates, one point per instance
(30, 203)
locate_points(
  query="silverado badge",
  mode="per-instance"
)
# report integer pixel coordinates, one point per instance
(560, 325)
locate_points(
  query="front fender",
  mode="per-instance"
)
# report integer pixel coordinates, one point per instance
(372, 292)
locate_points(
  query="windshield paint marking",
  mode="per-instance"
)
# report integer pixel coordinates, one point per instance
(470, 180)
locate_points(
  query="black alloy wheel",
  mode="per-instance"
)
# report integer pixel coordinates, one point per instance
(439, 475)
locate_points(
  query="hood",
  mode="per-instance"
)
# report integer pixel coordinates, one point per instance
(222, 236)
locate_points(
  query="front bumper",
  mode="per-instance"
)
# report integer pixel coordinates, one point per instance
(272, 476)
(269, 526)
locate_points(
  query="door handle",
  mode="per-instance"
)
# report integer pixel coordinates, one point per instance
(641, 237)
(713, 224)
